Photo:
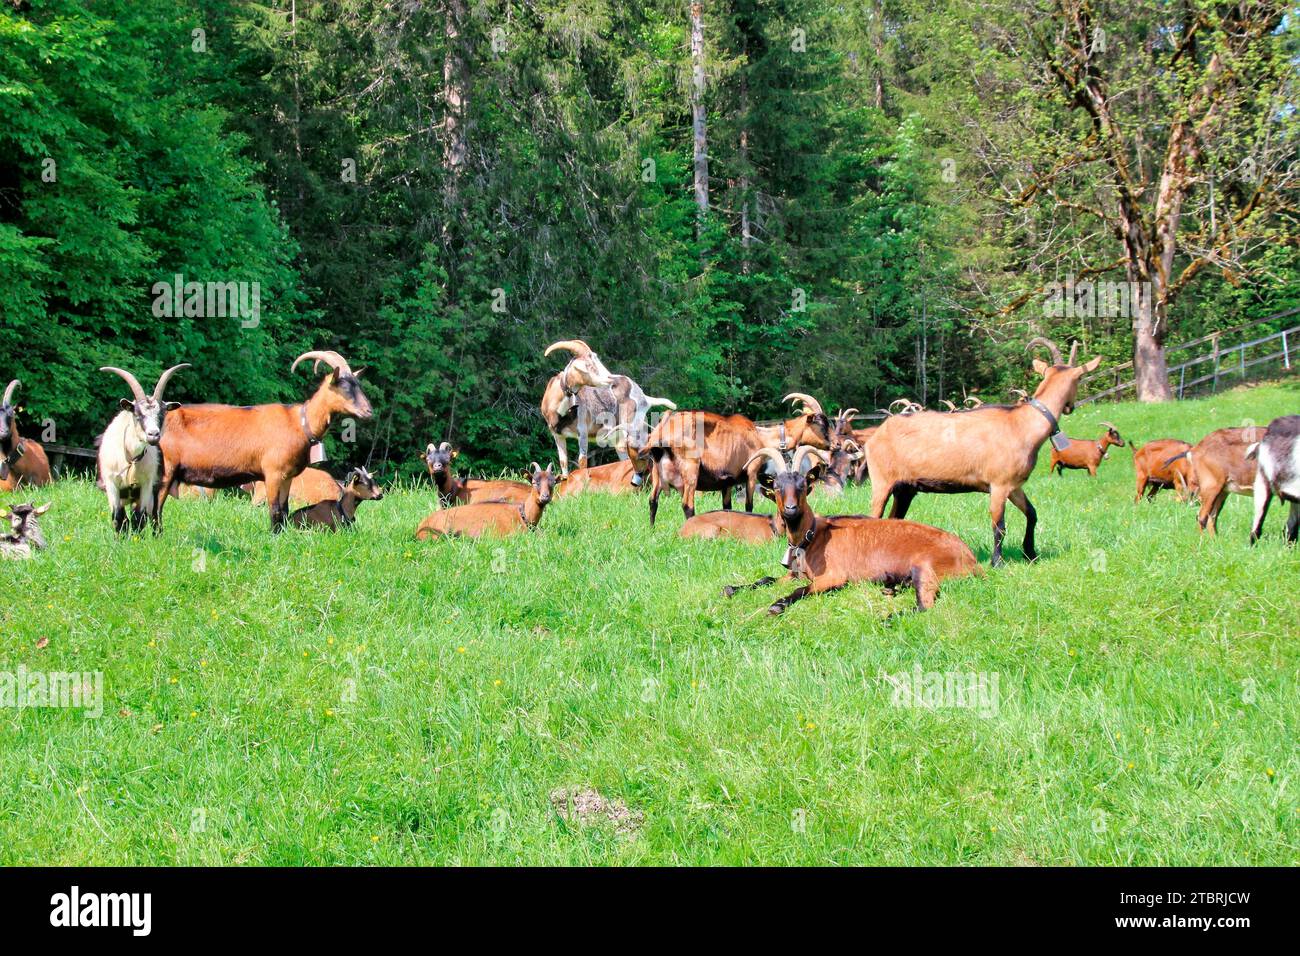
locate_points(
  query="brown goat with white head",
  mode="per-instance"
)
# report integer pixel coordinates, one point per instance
(221, 446)
(831, 552)
(22, 461)
(991, 449)
(129, 460)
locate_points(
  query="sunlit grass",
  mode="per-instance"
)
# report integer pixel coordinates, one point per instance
(364, 698)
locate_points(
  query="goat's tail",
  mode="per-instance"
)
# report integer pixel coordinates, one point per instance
(1182, 454)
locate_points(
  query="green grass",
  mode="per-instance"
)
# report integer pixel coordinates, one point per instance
(366, 699)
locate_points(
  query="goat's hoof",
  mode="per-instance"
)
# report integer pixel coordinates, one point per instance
(1031, 556)
(776, 609)
(729, 591)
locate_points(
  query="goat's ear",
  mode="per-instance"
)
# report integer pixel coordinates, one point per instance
(1092, 366)
(1041, 367)
(455, 454)
(42, 509)
(125, 404)
(170, 406)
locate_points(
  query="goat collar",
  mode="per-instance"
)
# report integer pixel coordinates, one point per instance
(306, 429)
(11, 459)
(1046, 413)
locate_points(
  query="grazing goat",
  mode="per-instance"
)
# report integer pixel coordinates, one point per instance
(24, 538)
(1155, 468)
(743, 526)
(1221, 467)
(128, 459)
(453, 490)
(22, 461)
(1084, 454)
(309, 487)
(221, 446)
(990, 449)
(334, 513)
(1277, 472)
(501, 518)
(703, 451)
(830, 552)
(586, 400)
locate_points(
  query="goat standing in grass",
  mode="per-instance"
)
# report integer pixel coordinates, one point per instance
(340, 512)
(129, 460)
(1160, 464)
(24, 538)
(830, 552)
(221, 446)
(990, 449)
(500, 518)
(1081, 454)
(22, 461)
(1221, 467)
(1277, 472)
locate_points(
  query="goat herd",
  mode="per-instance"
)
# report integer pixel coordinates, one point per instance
(154, 449)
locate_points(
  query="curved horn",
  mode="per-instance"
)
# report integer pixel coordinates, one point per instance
(536, 467)
(905, 402)
(771, 453)
(846, 414)
(332, 359)
(430, 449)
(136, 390)
(164, 378)
(1021, 392)
(810, 404)
(445, 446)
(1074, 350)
(9, 391)
(1110, 426)
(974, 401)
(576, 346)
(802, 452)
(1048, 344)
(951, 406)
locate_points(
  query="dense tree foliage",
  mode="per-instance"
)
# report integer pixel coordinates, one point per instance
(439, 190)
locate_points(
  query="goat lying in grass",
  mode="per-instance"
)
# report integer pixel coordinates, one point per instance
(340, 512)
(741, 525)
(468, 491)
(501, 518)
(24, 538)
(830, 552)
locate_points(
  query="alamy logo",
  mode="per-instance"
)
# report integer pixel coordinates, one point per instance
(103, 909)
(1096, 300)
(208, 300)
(940, 690)
(74, 690)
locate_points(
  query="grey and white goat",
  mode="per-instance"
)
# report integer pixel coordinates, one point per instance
(24, 538)
(129, 460)
(1277, 457)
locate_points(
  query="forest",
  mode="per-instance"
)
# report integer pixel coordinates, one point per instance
(729, 199)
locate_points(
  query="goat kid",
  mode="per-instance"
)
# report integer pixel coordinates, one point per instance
(831, 552)
(1277, 472)
(498, 517)
(334, 513)
(1080, 454)
(221, 446)
(24, 538)
(453, 490)
(990, 449)
(1159, 464)
(22, 461)
(129, 460)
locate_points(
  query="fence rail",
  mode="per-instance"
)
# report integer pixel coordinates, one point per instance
(1231, 362)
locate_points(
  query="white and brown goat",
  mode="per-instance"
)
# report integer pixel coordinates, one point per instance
(1277, 472)
(129, 460)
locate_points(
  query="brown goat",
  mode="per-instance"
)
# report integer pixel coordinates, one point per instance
(453, 490)
(1154, 469)
(614, 478)
(500, 518)
(830, 552)
(742, 526)
(1081, 453)
(990, 449)
(842, 430)
(1221, 467)
(340, 512)
(703, 451)
(22, 461)
(222, 446)
(312, 486)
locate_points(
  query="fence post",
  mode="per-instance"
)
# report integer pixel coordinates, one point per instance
(1182, 377)
(1243, 361)
(1286, 355)
(1215, 341)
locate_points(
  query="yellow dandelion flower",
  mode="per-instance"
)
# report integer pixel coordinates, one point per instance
(329, 712)
(203, 663)
(194, 713)
(171, 680)
(1269, 771)
(497, 682)
(374, 839)
(1072, 652)
(1130, 765)
(305, 654)
(461, 649)
(329, 640)
(810, 726)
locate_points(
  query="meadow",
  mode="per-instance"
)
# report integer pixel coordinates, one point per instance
(362, 698)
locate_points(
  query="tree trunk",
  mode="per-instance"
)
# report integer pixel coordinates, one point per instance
(455, 144)
(1150, 369)
(697, 111)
